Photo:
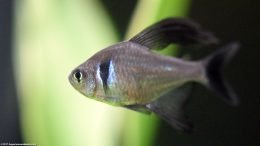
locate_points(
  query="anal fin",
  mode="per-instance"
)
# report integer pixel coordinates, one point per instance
(169, 107)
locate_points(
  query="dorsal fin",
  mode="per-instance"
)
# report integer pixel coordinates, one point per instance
(173, 30)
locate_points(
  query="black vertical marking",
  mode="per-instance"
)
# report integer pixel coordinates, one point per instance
(104, 73)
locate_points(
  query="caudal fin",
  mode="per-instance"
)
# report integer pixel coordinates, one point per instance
(214, 65)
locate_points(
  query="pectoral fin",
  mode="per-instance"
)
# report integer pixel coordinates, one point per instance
(139, 108)
(170, 108)
(173, 30)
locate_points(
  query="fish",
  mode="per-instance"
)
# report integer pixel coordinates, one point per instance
(132, 75)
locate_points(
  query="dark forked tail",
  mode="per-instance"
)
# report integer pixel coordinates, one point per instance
(214, 64)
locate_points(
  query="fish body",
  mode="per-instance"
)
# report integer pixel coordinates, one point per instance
(129, 74)
(136, 75)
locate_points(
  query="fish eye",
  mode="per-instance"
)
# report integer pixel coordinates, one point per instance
(78, 75)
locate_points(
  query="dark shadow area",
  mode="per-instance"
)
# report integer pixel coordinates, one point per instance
(9, 113)
(217, 123)
(120, 13)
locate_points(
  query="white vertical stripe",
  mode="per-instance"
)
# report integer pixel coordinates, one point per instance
(112, 75)
(98, 76)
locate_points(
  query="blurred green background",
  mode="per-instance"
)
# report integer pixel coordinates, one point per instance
(42, 41)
